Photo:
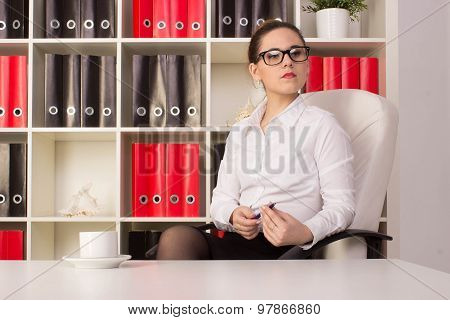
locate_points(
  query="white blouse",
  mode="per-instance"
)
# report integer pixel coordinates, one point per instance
(303, 162)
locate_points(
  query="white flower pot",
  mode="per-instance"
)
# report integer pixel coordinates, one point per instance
(332, 23)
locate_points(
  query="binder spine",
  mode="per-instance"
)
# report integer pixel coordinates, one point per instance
(161, 18)
(71, 19)
(106, 17)
(196, 20)
(18, 178)
(192, 94)
(54, 19)
(18, 91)
(140, 91)
(4, 20)
(350, 73)
(225, 24)
(107, 91)
(242, 21)
(17, 18)
(143, 23)
(176, 89)
(53, 90)
(90, 91)
(88, 20)
(4, 179)
(4, 91)
(178, 18)
(260, 13)
(158, 91)
(71, 90)
(190, 193)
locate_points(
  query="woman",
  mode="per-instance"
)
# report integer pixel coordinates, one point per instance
(285, 152)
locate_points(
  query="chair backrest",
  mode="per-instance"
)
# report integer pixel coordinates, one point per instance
(371, 121)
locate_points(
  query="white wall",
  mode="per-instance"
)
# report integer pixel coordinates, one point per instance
(424, 132)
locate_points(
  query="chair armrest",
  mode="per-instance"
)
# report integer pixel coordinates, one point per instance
(373, 241)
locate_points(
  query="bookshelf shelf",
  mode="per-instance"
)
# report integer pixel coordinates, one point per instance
(61, 160)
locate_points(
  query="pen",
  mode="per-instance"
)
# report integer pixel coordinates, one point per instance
(257, 211)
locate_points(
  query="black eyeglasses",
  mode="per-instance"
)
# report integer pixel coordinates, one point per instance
(273, 57)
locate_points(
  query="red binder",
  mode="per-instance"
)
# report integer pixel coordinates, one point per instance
(332, 76)
(182, 180)
(178, 18)
(18, 91)
(315, 77)
(4, 91)
(196, 19)
(190, 193)
(148, 185)
(142, 18)
(350, 72)
(161, 18)
(369, 74)
(11, 245)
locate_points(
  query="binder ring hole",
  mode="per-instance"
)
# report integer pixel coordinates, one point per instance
(53, 110)
(107, 112)
(161, 25)
(147, 23)
(89, 111)
(71, 111)
(158, 111)
(192, 111)
(175, 111)
(190, 199)
(54, 24)
(89, 24)
(243, 22)
(2, 112)
(179, 25)
(2, 198)
(141, 112)
(71, 24)
(17, 199)
(156, 199)
(174, 199)
(17, 112)
(2, 25)
(105, 24)
(227, 20)
(196, 26)
(16, 24)
(143, 199)
(259, 22)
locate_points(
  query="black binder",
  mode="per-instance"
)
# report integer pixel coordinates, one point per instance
(88, 20)
(71, 90)
(4, 179)
(260, 13)
(140, 88)
(17, 179)
(157, 93)
(225, 24)
(191, 108)
(53, 90)
(277, 10)
(4, 20)
(18, 18)
(107, 91)
(71, 19)
(175, 90)
(105, 19)
(90, 91)
(243, 17)
(54, 20)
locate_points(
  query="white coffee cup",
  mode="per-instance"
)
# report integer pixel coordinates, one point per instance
(101, 244)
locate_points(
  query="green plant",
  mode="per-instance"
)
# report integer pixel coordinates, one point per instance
(353, 6)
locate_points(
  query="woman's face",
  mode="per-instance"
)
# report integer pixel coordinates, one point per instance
(287, 77)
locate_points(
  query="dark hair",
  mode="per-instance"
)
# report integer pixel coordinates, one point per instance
(266, 27)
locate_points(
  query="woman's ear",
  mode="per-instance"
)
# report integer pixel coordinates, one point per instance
(253, 69)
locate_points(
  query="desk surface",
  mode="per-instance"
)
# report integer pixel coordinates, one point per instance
(220, 279)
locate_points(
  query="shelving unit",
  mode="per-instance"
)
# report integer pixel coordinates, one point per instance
(61, 160)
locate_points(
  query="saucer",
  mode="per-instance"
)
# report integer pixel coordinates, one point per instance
(97, 263)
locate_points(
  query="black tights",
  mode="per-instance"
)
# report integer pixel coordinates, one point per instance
(182, 243)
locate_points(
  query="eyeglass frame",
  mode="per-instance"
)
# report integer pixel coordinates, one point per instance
(284, 52)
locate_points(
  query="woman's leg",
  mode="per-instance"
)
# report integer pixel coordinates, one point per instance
(182, 243)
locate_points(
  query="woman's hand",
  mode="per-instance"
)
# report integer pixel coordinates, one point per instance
(242, 221)
(282, 229)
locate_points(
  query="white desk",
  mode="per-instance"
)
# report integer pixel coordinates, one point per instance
(304, 279)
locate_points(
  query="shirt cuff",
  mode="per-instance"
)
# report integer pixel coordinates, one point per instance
(317, 230)
(222, 217)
